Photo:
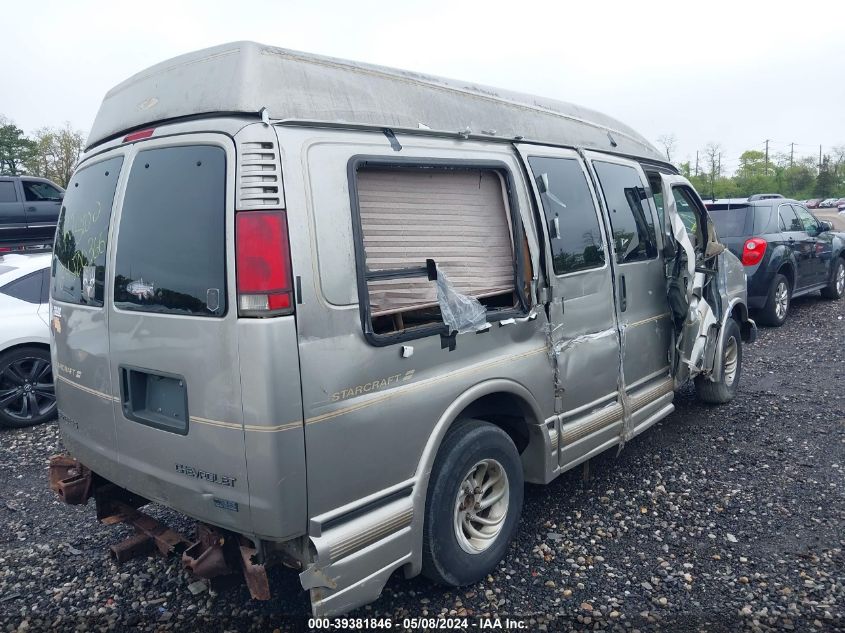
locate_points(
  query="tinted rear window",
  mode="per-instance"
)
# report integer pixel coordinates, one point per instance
(79, 256)
(729, 222)
(7, 191)
(28, 288)
(171, 251)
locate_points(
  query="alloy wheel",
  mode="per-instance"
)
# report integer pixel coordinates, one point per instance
(730, 360)
(481, 506)
(781, 300)
(26, 389)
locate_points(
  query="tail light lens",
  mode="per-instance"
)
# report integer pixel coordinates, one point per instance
(264, 280)
(753, 251)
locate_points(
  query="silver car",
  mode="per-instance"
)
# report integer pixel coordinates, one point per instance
(340, 313)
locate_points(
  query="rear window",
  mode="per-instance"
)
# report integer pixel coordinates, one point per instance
(7, 191)
(79, 256)
(171, 250)
(730, 222)
(29, 288)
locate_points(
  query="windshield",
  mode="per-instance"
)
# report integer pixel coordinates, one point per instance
(79, 255)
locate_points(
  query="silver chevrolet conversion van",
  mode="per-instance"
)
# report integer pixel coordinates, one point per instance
(339, 313)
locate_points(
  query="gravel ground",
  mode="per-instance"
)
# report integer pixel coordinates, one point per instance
(718, 518)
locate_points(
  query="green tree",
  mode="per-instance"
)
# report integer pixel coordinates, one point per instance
(56, 152)
(40, 159)
(826, 180)
(15, 148)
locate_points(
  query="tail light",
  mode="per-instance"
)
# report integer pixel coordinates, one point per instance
(753, 251)
(262, 255)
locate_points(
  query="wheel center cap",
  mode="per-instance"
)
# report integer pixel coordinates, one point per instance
(27, 387)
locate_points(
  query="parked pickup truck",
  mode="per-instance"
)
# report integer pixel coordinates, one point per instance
(29, 207)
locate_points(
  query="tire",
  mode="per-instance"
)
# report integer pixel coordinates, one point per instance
(836, 287)
(774, 313)
(724, 389)
(27, 394)
(456, 560)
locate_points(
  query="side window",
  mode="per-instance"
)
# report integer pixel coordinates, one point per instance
(79, 256)
(458, 216)
(25, 288)
(630, 218)
(45, 286)
(35, 191)
(656, 184)
(171, 242)
(7, 191)
(808, 222)
(571, 217)
(688, 210)
(788, 220)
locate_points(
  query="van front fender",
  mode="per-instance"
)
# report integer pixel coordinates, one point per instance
(747, 327)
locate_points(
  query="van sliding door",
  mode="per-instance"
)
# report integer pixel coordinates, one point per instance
(641, 304)
(584, 335)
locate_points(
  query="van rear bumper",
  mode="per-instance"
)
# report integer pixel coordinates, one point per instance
(213, 553)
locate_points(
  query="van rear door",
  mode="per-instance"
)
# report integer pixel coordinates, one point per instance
(173, 331)
(79, 319)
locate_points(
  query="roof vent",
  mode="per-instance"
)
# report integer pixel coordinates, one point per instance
(259, 170)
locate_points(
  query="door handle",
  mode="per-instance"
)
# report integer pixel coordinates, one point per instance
(623, 294)
(30, 208)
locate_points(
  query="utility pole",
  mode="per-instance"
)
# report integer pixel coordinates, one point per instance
(696, 160)
(791, 153)
(719, 172)
(820, 156)
(767, 156)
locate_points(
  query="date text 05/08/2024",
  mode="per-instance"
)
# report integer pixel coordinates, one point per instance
(410, 624)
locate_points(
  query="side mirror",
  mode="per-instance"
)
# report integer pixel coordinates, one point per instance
(825, 226)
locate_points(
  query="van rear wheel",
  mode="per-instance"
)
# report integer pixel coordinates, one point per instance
(473, 503)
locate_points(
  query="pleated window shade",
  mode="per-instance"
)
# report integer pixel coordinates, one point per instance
(459, 218)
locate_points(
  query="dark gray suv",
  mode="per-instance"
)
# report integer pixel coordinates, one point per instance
(29, 208)
(786, 251)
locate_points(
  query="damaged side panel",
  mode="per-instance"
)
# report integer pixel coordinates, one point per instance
(697, 322)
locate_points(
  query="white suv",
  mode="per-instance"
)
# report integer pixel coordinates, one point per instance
(27, 395)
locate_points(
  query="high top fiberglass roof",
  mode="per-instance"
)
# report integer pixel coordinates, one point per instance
(246, 77)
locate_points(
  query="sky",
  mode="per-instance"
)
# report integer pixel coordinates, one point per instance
(734, 73)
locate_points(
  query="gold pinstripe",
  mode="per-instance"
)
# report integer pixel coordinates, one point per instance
(235, 426)
(401, 391)
(650, 319)
(88, 390)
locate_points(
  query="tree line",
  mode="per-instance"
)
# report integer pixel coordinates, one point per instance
(50, 152)
(801, 178)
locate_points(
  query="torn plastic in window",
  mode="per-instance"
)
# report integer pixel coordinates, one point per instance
(461, 313)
